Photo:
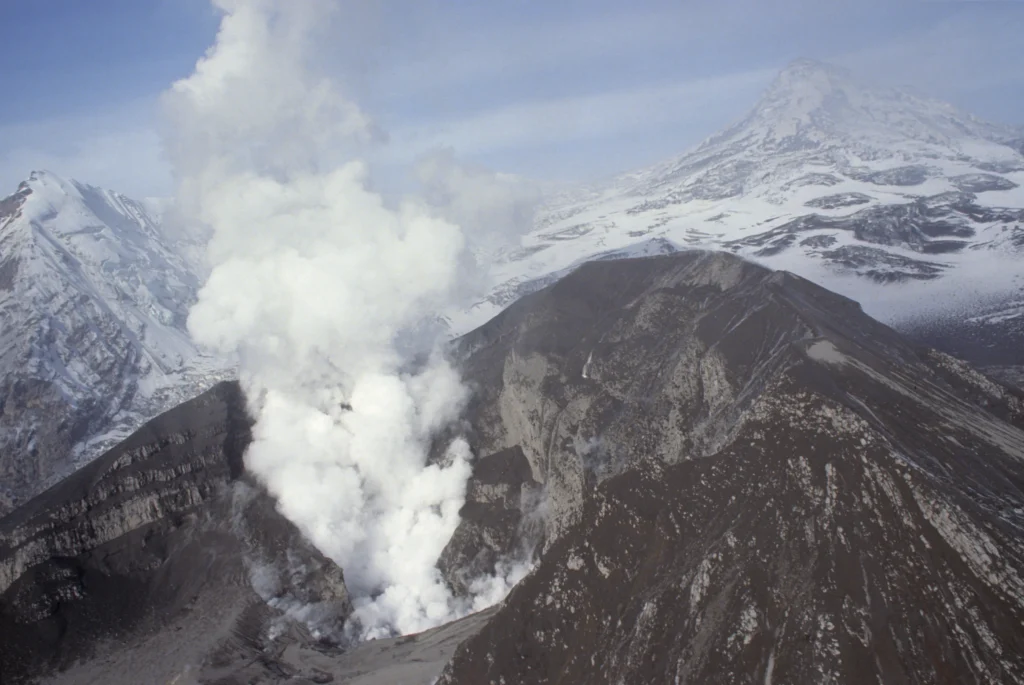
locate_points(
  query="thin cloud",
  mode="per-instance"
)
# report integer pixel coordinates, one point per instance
(953, 57)
(581, 118)
(505, 87)
(116, 148)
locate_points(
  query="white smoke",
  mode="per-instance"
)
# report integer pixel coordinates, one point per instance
(312, 280)
(499, 206)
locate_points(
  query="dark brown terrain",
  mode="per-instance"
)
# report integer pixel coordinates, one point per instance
(747, 480)
(160, 556)
(726, 474)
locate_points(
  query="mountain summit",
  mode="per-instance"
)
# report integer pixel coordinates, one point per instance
(815, 104)
(93, 301)
(903, 203)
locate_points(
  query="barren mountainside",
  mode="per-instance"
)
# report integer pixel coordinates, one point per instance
(724, 473)
(747, 479)
(165, 546)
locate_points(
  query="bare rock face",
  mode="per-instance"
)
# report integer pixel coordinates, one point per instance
(163, 555)
(746, 480)
(498, 521)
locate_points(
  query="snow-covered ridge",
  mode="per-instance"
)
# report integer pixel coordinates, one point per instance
(896, 200)
(93, 301)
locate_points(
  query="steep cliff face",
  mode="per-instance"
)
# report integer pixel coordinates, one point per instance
(163, 534)
(746, 479)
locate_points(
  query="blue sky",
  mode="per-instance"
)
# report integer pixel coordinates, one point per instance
(563, 89)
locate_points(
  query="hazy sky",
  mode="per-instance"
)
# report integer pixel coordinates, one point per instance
(553, 89)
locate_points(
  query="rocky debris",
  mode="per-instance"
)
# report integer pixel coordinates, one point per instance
(1012, 376)
(746, 479)
(931, 225)
(163, 534)
(910, 175)
(497, 519)
(814, 179)
(881, 266)
(819, 241)
(291, 658)
(838, 200)
(980, 183)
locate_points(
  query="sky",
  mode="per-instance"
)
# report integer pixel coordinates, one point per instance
(559, 90)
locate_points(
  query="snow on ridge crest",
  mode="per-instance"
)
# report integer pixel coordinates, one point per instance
(94, 304)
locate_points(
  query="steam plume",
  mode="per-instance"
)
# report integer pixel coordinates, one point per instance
(312, 279)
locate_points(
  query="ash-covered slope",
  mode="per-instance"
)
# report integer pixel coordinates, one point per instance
(906, 204)
(728, 475)
(747, 480)
(93, 300)
(156, 561)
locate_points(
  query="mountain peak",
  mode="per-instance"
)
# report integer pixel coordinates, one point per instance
(812, 104)
(47, 183)
(806, 95)
(810, 81)
(807, 65)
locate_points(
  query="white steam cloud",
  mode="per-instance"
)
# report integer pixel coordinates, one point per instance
(312, 280)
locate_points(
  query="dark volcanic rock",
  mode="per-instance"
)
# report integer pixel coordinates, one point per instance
(911, 175)
(936, 224)
(838, 200)
(881, 266)
(980, 183)
(727, 475)
(747, 480)
(819, 241)
(163, 542)
(499, 499)
(813, 180)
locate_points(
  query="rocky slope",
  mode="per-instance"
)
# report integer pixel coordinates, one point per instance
(159, 557)
(746, 479)
(906, 204)
(725, 473)
(93, 299)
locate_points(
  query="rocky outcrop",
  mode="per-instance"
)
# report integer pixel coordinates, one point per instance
(747, 480)
(164, 533)
(499, 521)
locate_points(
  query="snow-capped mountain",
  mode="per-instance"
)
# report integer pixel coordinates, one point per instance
(903, 203)
(93, 301)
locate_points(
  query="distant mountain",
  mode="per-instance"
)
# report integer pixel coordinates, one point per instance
(906, 204)
(93, 301)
